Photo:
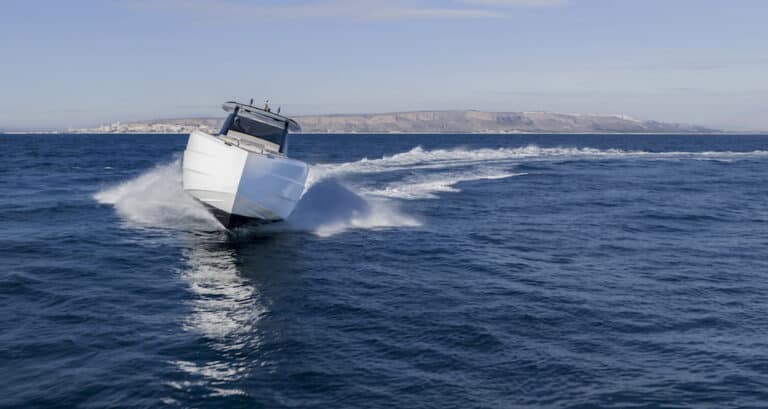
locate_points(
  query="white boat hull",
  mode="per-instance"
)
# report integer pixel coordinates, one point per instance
(239, 185)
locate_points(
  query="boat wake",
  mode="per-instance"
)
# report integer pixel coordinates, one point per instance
(343, 196)
(156, 199)
(425, 173)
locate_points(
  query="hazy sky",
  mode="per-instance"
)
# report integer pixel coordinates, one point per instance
(80, 62)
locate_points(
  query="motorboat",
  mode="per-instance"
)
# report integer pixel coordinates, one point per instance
(243, 175)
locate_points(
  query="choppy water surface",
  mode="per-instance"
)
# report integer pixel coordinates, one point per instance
(418, 271)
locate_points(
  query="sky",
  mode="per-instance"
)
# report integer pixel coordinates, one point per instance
(87, 62)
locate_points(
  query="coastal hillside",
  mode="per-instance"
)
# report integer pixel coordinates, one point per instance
(427, 122)
(486, 122)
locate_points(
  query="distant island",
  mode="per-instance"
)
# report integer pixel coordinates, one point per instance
(428, 122)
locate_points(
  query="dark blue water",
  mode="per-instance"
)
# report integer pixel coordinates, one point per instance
(466, 271)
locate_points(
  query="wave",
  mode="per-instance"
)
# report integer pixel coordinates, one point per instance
(329, 207)
(156, 198)
(427, 187)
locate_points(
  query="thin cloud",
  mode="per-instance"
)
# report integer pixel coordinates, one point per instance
(322, 9)
(514, 3)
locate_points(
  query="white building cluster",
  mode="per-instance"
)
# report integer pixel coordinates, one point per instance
(145, 127)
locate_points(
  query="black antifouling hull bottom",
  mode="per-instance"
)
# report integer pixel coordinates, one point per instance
(232, 221)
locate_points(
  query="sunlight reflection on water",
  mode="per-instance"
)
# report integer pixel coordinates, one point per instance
(226, 311)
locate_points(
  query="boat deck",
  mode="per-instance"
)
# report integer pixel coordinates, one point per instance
(250, 144)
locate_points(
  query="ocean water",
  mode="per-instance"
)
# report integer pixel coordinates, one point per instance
(418, 271)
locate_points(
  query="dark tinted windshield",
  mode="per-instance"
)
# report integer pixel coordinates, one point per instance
(257, 129)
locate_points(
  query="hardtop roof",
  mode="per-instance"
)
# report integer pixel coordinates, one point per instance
(260, 115)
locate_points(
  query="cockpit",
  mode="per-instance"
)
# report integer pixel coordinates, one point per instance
(255, 129)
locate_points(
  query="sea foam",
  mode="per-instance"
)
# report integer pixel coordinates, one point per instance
(156, 198)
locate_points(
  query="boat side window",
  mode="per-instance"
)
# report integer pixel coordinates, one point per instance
(258, 130)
